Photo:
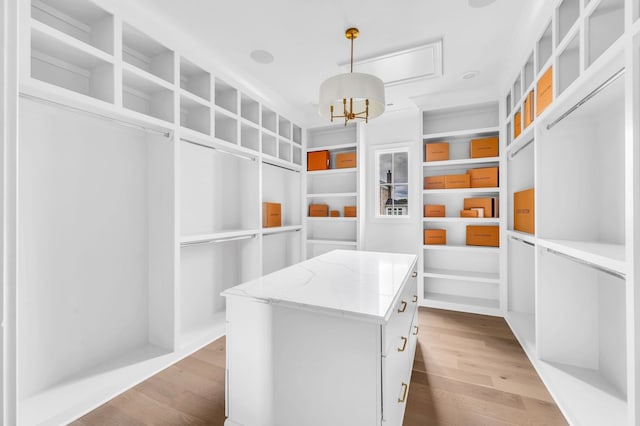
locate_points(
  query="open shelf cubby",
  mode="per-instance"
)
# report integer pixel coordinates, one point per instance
(226, 96)
(529, 73)
(249, 109)
(57, 63)
(284, 150)
(226, 127)
(331, 183)
(517, 89)
(284, 127)
(249, 137)
(508, 103)
(459, 147)
(83, 21)
(521, 174)
(219, 191)
(70, 342)
(297, 135)
(509, 133)
(141, 51)
(462, 118)
(568, 13)
(569, 64)
(544, 48)
(581, 178)
(521, 293)
(269, 119)
(297, 155)
(146, 97)
(195, 80)
(280, 186)
(280, 250)
(605, 25)
(195, 116)
(269, 144)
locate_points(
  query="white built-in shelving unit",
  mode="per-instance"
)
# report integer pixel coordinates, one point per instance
(572, 285)
(336, 188)
(141, 191)
(457, 276)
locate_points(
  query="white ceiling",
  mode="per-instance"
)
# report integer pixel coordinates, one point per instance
(307, 39)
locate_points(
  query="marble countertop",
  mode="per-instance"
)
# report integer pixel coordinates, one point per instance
(348, 283)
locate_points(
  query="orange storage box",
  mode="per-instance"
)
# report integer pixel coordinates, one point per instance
(457, 181)
(350, 211)
(544, 91)
(485, 147)
(318, 210)
(489, 205)
(524, 211)
(435, 237)
(346, 160)
(271, 215)
(468, 213)
(334, 213)
(517, 124)
(483, 236)
(436, 151)
(528, 110)
(486, 177)
(318, 160)
(434, 210)
(434, 182)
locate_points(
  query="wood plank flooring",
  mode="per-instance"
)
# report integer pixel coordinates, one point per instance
(469, 370)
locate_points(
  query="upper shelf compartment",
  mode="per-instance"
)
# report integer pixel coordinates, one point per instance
(605, 26)
(568, 13)
(79, 19)
(195, 80)
(457, 119)
(143, 52)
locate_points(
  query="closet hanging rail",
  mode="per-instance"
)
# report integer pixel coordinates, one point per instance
(281, 166)
(222, 151)
(218, 240)
(589, 264)
(166, 134)
(522, 241)
(586, 98)
(284, 231)
(513, 154)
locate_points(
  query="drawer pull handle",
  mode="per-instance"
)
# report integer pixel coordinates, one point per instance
(415, 298)
(417, 329)
(405, 387)
(404, 344)
(403, 308)
(414, 274)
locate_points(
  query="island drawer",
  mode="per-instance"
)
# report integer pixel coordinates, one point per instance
(399, 323)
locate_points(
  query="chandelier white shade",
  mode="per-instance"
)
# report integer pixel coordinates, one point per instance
(351, 95)
(352, 86)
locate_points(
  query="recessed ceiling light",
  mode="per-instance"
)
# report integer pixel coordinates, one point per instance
(468, 75)
(480, 3)
(261, 56)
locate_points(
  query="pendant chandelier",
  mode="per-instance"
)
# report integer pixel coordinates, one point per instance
(352, 95)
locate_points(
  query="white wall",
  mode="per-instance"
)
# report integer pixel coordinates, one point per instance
(393, 235)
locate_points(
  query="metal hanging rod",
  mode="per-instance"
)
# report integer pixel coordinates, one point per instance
(166, 134)
(586, 98)
(218, 240)
(513, 154)
(522, 241)
(284, 231)
(281, 166)
(589, 264)
(222, 151)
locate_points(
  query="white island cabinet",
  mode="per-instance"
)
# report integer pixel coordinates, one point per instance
(329, 341)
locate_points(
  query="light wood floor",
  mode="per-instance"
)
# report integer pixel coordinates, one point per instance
(469, 370)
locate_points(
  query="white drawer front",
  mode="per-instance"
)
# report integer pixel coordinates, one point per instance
(396, 372)
(400, 321)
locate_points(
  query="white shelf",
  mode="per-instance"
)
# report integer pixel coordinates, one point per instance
(339, 147)
(462, 303)
(333, 195)
(333, 242)
(332, 219)
(522, 236)
(483, 220)
(194, 98)
(462, 248)
(461, 191)
(459, 133)
(146, 76)
(47, 37)
(332, 171)
(281, 229)
(488, 161)
(484, 277)
(190, 239)
(266, 158)
(610, 256)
